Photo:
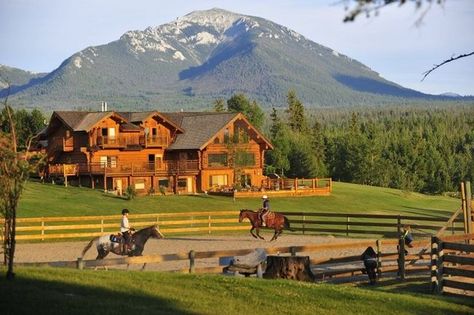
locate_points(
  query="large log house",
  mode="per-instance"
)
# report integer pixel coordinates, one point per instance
(183, 152)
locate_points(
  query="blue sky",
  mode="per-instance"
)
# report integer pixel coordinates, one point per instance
(37, 35)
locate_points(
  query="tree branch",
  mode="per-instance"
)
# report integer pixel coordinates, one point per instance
(425, 74)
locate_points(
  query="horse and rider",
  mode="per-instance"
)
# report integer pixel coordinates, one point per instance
(127, 242)
(264, 218)
(126, 232)
(265, 210)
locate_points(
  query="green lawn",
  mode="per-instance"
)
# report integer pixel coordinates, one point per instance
(61, 291)
(54, 200)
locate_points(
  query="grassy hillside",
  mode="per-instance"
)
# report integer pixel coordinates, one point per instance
(56, 291)
(54, 200)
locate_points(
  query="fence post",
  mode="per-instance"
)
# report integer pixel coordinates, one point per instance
(348, 219)
(468, 208)
(209, 224)
(379, 260)
(304, 219)
(399, 226)
(80, 263)
(401, 258)
(434, 265)
(42, 229)
(293, 251)
(102, 225)
(439, 267)
(191, 255)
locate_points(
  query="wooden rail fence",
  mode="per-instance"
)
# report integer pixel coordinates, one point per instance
(370, 224)
(348, 224)
(323, 268)
(452, 264)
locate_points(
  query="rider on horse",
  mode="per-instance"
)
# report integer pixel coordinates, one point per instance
(265, 209)
(126, 231)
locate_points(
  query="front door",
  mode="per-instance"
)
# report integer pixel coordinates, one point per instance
(190, 185)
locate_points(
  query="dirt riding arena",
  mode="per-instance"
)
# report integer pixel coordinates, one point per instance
(68, 251)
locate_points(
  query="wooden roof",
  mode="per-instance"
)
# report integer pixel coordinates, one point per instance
(83, 121)
(197, 128)
(201, 127)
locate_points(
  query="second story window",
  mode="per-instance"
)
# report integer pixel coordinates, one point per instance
(108, 161)
(217, 160)
(226, 135)
(245, 159)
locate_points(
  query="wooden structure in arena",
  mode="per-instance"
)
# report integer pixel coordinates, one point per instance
(183, 152)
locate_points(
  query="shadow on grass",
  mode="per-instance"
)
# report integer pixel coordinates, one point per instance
(413, 285)
(25, 295)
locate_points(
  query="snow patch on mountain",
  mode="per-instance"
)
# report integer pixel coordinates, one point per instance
(77, 62)
(150, 40)
(218, 19)
(178, 55)
(204, 38)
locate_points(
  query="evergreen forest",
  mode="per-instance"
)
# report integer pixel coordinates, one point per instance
(427, 149)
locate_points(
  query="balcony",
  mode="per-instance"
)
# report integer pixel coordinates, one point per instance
(127, 169)
(120, 142)
(63, 169)
(154, 141)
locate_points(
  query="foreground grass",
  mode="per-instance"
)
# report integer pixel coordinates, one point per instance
(53, 200)
(62, 291)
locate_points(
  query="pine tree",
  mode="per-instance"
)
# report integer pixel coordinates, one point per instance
(219, 105)
(240, 103)
(296, 116)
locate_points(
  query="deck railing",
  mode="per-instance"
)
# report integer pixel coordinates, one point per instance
(159, 167)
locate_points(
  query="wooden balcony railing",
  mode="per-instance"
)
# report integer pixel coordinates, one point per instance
(63, 169)
(112, 142)
(154, 141)
(165, 167)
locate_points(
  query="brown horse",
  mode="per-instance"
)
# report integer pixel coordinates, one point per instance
(138, 240)
(278, 222)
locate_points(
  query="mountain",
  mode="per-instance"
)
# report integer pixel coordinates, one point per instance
(16, 77)
(205, 55)
(451, 94)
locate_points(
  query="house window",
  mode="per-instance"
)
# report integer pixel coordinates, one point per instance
(216, 160)
(154, 132)
(226, 135)
(112, 161)
(103, 161)
(216, 140)
(182, 183)
(241, 135)
(164, 182)
(218, 180)
(108, 161)
(140, 184)
(244, 159)
(104, 132)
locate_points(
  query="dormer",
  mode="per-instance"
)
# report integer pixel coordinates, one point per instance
(158, 130)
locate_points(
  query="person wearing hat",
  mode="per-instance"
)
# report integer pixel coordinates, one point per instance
(125, 230)
(265, 209)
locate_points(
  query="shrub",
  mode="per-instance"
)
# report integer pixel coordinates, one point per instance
(130, 193)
